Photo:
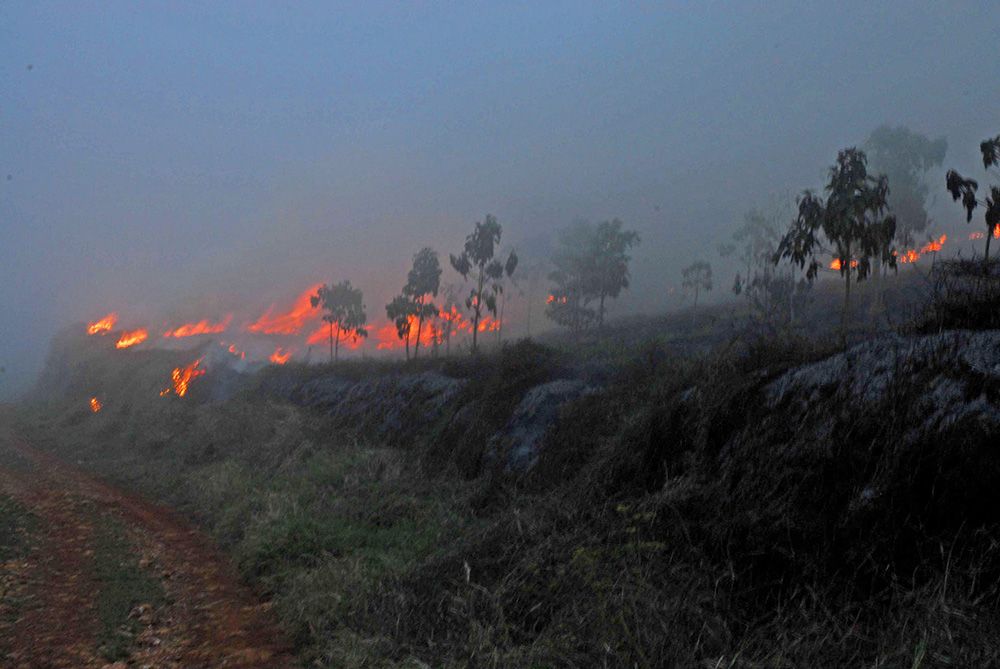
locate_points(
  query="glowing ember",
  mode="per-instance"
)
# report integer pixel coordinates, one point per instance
(132, 338)
(561, 300)
(199, 328)
(291, 321)
(976, 235)
(280, 356)
(95, 404)
(102, 326)
(182, 377)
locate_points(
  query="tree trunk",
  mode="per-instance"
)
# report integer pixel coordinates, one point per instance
(475, 317)
(420, 326)
(989, 235)
(331, 342)
(847, 299)
(600, 313)
(407, 340)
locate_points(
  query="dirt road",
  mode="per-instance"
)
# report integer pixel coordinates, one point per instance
(55, 605)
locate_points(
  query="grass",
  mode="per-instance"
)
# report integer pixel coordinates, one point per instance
(122, 585)
(15, 524)
(673, 519)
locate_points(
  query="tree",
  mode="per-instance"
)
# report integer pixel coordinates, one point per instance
(697, 277)
(569, 299)
(345, 309)
(401, 311)
(610, 261)
(590, 264)
(905, 157)
(424, 280)
(477, 260)
(852, 220)
(451, 319)
(960, 187)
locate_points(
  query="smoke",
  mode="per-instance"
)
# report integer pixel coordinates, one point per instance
(175, 164)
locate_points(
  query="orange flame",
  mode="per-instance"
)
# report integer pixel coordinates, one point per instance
(488, 324)
(201, 327)
(835, 264)
(291, 321)
(322, 334)
(132, 338)
(182, 377)
(235, 351)
(280, 357)
(95, 404)
(996, 231)
(454, 316)
(104, 325)
(562, 300)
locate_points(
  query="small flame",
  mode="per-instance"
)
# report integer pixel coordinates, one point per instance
(562, 300)
(104, 325)
(201, 327)
(996, 231)
(291, 321)
(977, 235)
(182, 377)
(235, 351)
(132, 338)
(95, 404)
(280, 357)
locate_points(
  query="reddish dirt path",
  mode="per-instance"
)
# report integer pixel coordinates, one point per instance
(210, 620)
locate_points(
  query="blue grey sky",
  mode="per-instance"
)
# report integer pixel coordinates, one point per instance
(161, 154)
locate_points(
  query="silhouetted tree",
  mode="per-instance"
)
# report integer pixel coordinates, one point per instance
(610, 262)
(345, 310)
(590, 263)
(401, 311)
(477, 260)
(697, 277)
(422, 284)
(852, 220)
(965, 189)
(905, 157)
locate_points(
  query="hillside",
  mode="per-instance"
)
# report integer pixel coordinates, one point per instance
(775, 501)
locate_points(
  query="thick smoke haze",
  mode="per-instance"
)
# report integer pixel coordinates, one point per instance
(159, 159)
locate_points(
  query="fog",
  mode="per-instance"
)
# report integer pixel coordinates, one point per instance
(158, 159)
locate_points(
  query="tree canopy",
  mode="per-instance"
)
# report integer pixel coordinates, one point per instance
(476, 260)
(966, 189)
(851, 223)
(345, 311)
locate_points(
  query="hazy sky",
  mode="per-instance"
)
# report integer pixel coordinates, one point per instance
(162, 154)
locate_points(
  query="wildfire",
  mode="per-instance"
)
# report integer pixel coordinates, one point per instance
(104, 325)
(996, 231)
(976, 235)
(201, 327)
(322, 334)
(235, 351)
(291, 321)
(488, 324)
(835, 264)
(182, 377)
(95, 404)
(562, 300)
(454, 316)
(132, 338)
(280, 356)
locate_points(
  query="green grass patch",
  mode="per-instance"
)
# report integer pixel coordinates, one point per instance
(123, 585)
